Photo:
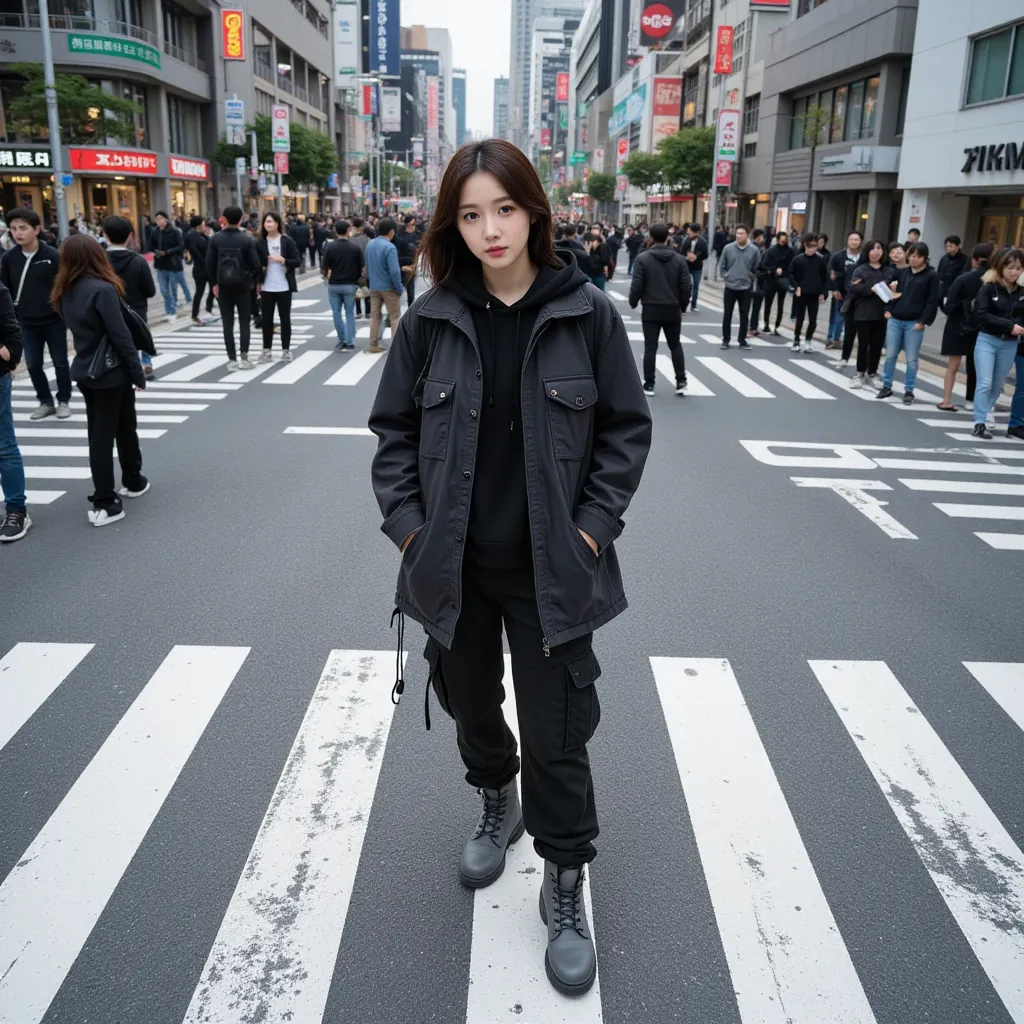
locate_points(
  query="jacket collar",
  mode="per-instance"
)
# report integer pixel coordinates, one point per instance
(441, 304)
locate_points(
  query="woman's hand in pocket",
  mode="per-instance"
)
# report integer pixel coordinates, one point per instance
(408, 540)
(591, 543)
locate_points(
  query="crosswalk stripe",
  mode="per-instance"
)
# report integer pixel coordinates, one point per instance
(935, 466)
(314, 827)
(1003, 541)
(963, 487)
(358, 365)
(196, 369)
(300, 303)
(363, 334)
(29, 674)
(57, 473)
(298, 368)
(332, 431)
(157, 386)
(716, 339)
(981, 511)
(778, 932)
(837, 380)
(81, 433)
(509, 939)
(992, 440)
(734, 378)
(975, 865)
(166, 358)
(245, 376)
(789, 380)
(639, 336)
(43, 497)
(55, 451)
(53, 897)
(1004, 682)
(694, 388)
(79, 417)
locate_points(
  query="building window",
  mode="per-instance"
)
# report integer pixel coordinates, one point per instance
(901, 112)
(264, 101)
(997, 65)
(854, 111)
(835, 128)
(751, 114)
(738, 46)
(749, 149)
(796, 126)
(867, 127)
(173, 28)
(806, 6)
(182, 125)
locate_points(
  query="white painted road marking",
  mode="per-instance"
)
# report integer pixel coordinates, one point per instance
(693, 386)
(856, 493)
(205, 365)
(963, 487)
(981, 511)
(332, 431)
(789, 380)
(1004, 682)
(356, 367)
(740, 381)
(1001, 541)
(298, 368)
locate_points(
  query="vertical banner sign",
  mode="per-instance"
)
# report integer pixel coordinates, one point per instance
(346, 44)
(234, 122)
(728, 139)
(723, 50)
(366, 100)
(666, 107)
(232, 27)
(621, 153)
(433, 94)
(385, 43)
(598, 159)
(723, 172)
(662, 22)
(562, 87)
(280, 130)
(390, 108)
(417, 152)
(621, 183)
(545, 138)
(281, 163)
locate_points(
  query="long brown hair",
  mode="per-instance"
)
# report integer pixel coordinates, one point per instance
(442, 249)
(82, 256)
(998, 264)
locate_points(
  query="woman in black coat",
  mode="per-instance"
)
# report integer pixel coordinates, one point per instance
(775, 266)
(960, 334)
(279, 258)
(869, 312)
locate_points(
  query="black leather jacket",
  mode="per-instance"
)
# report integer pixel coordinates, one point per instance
(997, 310)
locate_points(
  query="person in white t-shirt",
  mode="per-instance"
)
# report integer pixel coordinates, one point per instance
(279, 257)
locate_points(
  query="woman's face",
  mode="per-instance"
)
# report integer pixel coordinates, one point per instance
(495, 229)
(876, 254)
(270, 224)
(916, 261)
(898, 255)
(1011, 273)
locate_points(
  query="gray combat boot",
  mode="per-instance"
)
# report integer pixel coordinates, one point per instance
(571, 961)
(501, 824)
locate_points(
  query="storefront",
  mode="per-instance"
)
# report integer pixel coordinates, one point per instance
(27, 180)
(190, 186)
(112, 182)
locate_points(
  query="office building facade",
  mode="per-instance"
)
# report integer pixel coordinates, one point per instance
(500, 128)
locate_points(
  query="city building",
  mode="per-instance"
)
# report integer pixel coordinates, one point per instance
(850, 59)
(962, 170)
(548, 122)
(430, 49)
(459, 103)
(500, 129)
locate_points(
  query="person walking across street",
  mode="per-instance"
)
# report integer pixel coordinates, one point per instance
(385, 280)
(868, 312)
(504, 466)
(299, 233)
(168, 246)
(662, 282)
(840, 270)
(361, 239)
(135, 275)
(106, 369)
(810, 276)
(232, 264)
(406, 242)
(913, 308)
(342, 265)
(999, 309)
(16, 520)
(757, 290)
(197, 240)
(737, 266)
(960, 334)
(279, 256)
(633, 243)
(775, 281)
(694, 250)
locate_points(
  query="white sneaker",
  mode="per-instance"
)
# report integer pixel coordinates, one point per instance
(232, 365)
(795, 347)
(244, 364)
(63, 411)
(871, 381)
(42, 412)
(125, 493)
(649, 392)
(286, 355)
(101, 517)
(969, 406)
(266, 356)
(842, 366)
(808, 347)
(681, 388)
(170, 318)
(858, 381)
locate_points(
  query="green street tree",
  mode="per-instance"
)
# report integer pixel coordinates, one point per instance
(687, 159)
(87, 114)
(644, 169)
(311, 160)
(601, 187)
(817, 123)
(563, 192)
(403, 176)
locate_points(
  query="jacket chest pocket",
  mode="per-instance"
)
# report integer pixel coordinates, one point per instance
(435, 420)
(570, 402)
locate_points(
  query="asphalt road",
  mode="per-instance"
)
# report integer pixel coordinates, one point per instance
(808, 769)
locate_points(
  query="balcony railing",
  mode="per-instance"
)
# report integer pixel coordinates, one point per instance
(301, 93)
(262, 68)
(81, 23)
(186, 57)
(285, 83)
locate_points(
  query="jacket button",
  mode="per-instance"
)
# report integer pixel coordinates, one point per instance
(478, 373)
(442, 395)
(472, 414)
(580, 400)
(554, 393)
(466, 475)
(458, 537)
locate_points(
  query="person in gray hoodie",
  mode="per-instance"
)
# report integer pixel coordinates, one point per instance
(737, 267)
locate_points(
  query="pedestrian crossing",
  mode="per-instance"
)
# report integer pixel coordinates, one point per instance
(273, 942)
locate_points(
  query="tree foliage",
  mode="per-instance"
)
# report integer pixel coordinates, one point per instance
(601, 187)
(687, 159)
(403, 176)
(563, 192)
(311, 161)
(816, 120)
(643, 169)
(86, 113)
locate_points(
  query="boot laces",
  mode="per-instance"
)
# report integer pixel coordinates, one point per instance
(567, 904)
(493, 815)
(12, 519)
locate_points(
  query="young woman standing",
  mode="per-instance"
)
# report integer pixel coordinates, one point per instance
(869, 312)
(513, 433)
(775, 281)
(960, 334)
(279, 257)
(106, 369)
(595, 263)
(999, 310)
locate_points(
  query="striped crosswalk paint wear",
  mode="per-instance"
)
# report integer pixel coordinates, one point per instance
(274, 951)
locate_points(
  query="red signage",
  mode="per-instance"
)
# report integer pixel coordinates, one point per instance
(723, 172)
(114, 161)
(656, 21)
(562, 87)
(366, 100)
(723, 50)
(232, 27)
(771, 5)
(189, 167)
(668, 96)
(281, 163)
(545, 138)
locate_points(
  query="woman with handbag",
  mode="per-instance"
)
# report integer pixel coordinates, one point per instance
(106, 369)
(775, 282)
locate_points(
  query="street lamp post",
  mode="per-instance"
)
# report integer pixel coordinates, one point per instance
(53, 122)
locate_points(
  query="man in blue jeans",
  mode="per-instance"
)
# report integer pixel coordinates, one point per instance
(168, 247)
(342, 264)
(695, 251)
(12, 470)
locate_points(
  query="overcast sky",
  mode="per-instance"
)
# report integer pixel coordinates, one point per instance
(480, 42)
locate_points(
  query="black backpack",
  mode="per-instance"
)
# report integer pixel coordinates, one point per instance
(231, 267)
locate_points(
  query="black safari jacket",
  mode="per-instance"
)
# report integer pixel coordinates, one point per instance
(586, 432)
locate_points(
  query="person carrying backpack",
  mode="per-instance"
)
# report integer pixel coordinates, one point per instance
(137, 278)
(233, 264)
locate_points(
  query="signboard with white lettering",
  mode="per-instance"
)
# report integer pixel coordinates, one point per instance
(190, 167)
(111, 46)
(280, 130)
(29, 160)
(234, 122)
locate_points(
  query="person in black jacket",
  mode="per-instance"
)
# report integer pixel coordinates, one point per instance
(343, 264)
(88, 292)
(16, 521)
(168, 248)
(775, 282)
(321, 236)
(633, 243)
(868, 311)
(299, 232)
(406, 242)
(954, 263)
(232, 264)
(504, 466)
(694, 250)
(960, 333)
(810, 275)
(279, 256)
(915, 302)
(134, 273)
(662, 282)
(614, 243)
(594, 262)
(842, 330)
(197, 240)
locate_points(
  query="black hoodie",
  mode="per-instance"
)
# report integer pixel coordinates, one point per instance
(499, 526)
(136, 276)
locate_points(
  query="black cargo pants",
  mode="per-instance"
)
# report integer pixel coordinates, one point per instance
(556, 700)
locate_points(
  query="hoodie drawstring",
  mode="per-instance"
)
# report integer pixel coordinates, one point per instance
(399, 688)
(494, 357)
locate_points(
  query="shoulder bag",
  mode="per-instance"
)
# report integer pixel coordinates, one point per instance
(104, 360)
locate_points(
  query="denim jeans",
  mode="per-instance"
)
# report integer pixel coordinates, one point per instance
(12, 469)
(1017, 406)
(168, 280)
(599, 281)
(339, 294)
(902, 334)
(695, 276)
(835, 321)
(36, 341)
(992, 361)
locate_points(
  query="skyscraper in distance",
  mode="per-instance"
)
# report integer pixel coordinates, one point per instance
(500, 130)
